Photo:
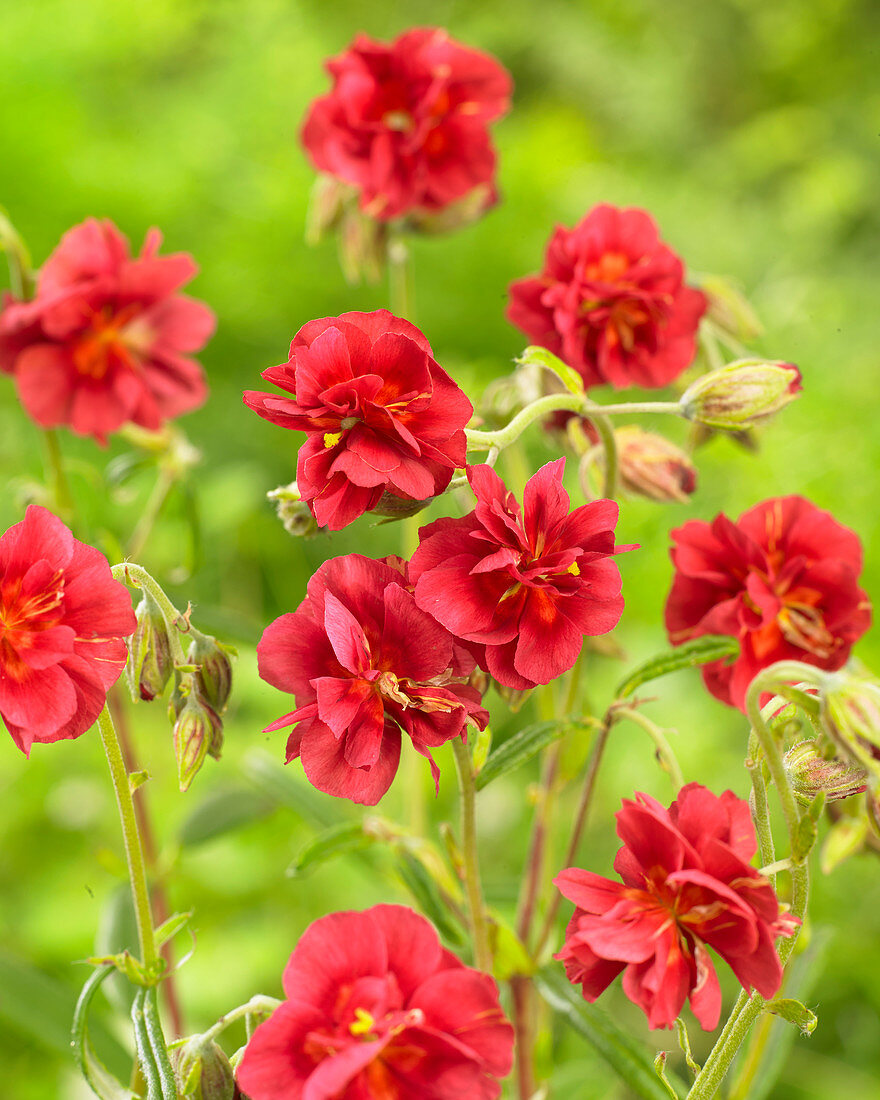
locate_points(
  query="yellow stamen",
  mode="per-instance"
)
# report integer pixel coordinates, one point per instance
(363, 1024)
(331, 439)
(574, 569)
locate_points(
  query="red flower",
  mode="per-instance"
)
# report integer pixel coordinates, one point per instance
(62, 621)
(524, 585)
(379, 413)
(378, 1010)
(783, 580)
(611, 301)
(407, 124)
(106, 340)
(363, 662)
(687, 885)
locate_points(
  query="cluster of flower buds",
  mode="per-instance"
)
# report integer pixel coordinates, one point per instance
(150, 663)
(742, 394)
(201, 693)
(362, 241)
(295, 515)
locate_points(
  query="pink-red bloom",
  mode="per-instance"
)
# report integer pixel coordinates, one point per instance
(611, 301)
(363, 662)
(378, 1010)
(62, 623)
(522, 586)
(783, 580)
(407, 124)
(687, 885)
(107, 339)
(379, 414)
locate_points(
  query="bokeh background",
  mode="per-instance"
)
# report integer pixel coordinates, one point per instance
(748, 127)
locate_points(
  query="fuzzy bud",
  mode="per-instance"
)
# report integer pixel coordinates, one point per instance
(203, 1071)
(150, 663)
(394, 507)
(850, 715)
(729, 309)
(214, 678)
(198, 731)
(741, 394)
(650, 466)
(811, 773)
(295, 515)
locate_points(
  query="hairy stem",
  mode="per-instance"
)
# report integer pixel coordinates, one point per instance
(473, 888)
(138, 577)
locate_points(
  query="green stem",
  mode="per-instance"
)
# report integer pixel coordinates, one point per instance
(476, 906)
(761, 808)
(152, 508)
(400, 279)
(609, 444)
(138, 577)
(131, 837)
(748, 1008)
(56, 475)
(22, 281)
(256, 1006)
(664, 749)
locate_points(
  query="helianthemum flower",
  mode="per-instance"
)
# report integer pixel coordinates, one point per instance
(107, 339)
(522, 586)
(407, 124)
(378, 1010)
(379, 414)
(687, 886)
(62, 623)
(611, 301)
(363, 662)
(783, 580)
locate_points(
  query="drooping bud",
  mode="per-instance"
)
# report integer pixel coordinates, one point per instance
(850, 714)
(214, 677)
(811, 773)
(741, 394)
(292, 510)
(729, 309)
(395, 507)
(198, 731)
(651, 466)
(455, 215)
(505, 396)
(150, 663)
(203, 1071)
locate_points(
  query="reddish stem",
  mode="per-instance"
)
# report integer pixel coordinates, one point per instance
(523, 1008)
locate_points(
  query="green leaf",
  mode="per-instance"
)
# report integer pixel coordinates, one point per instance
(625, 1056)
(288, 788)
(100, 1080)
(427, 896)
(144, 1050)
(516, 750)
(168, 929)
(335, 841)
(804, 838)
(509, 954)
(535, 356)
(795, 1012)
(159, 1047)
(480, 751)
(223, 811)
(700, 652)
(844, 839)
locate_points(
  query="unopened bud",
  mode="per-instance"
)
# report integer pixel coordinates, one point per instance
(729, 308)
(327, 202)
(150, 663)
(214, 677)
(505, 396)
(741, 394)
(203, 1071)
(850, 715)
(455, 215)
(198, 732)
(650, 466)
(363, 246)
(395, 507)
(292, 510)
(810, 773)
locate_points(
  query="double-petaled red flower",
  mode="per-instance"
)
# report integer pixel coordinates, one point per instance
(407, 124)
(687, 885)
(522, 586)
(611, 301)
(783, 580)
(363, 662)
(379, 413)
(378, 1010)
(107, 339)
(62, 623)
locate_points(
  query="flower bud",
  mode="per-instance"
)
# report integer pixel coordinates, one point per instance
(850, 714)
(150, 663)
(295, 515)
(650, 466)
(214, 678)
(730, 310)
(395, 507)
(741, 394)
(203, 1071)
(327, 203)
(455, 215)
(198, 732)
(505, 396)
(810, 773)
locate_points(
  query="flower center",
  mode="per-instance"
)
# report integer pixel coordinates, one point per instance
(106, 343)
(22, 616)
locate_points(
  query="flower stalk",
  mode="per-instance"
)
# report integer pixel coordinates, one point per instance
(473, 887)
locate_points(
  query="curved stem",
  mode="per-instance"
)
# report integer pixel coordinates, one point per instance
(260, 1005)
(134, 855)
(664, 749)
(138, 577)
(476, 906)
(22, 279)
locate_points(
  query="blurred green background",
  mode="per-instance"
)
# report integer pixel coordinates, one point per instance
(748, 127)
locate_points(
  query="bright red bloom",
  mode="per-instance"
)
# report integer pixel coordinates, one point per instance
(782, 579)
(407, 123)
(378, 1010)
(363, 663)
(523, 585)
(379, 413)
(611, 301)
(687, 885)
(62, 623)
(107, 338)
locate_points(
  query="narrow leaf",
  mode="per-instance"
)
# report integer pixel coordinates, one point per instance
(428, 897)
(535, 356)
(518, 749)
(844, 839)
(144, 1050)
(168, 929)
(795, 1012)
(625, 1056)
(159, 1047)
(336, 841)
(286, 788)
(99, 1079)
(713, 647)
(223, 811)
